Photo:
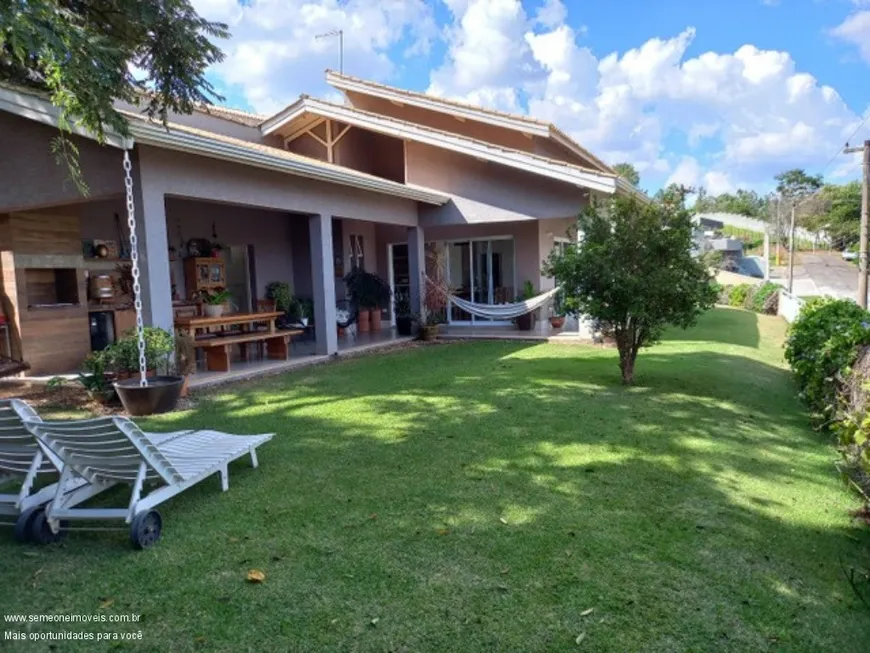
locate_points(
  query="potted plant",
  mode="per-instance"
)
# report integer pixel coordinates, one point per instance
(405, 317)
(160, 394)
(185, 358)
(304, 311)
(434, 304)
(122, 357)
(216, 302)
(557, 319)
(94, 377)
(527, 320)
(279, 292)
(369, 293)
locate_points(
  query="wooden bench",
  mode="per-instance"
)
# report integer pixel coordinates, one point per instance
(217, 349)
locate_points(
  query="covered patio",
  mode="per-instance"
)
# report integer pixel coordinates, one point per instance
(276, 216)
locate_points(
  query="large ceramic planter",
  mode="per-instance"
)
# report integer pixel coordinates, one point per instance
(362, 320)
(375, 319)
(160, 395)
(557, 321)
(525, 322)
(428, 332)
(214, 310)
(405, 326)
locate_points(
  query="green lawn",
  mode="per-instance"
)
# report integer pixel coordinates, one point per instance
(487, 496)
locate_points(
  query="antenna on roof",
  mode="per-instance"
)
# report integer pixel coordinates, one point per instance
(340, 34)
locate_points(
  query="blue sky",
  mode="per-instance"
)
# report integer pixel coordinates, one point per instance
(719, 94)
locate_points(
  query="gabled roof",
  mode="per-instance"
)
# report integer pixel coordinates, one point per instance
(35, 106)
(534, 163)
(516, 122)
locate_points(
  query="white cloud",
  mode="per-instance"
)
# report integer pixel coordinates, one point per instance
(856, 30)
(687, 173)
(743, 115)
(551, 13)
(751, 111)
(273, 55)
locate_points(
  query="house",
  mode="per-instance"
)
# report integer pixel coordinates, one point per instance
(301, 196)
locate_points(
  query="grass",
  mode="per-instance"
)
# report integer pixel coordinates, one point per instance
(486, 497)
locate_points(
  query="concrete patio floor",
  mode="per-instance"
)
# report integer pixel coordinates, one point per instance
(302, 354)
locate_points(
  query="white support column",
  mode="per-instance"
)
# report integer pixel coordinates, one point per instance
(323, 284)
(416, 267)
(153, 248)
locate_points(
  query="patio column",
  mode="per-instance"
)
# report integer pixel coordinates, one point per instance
(153, 249)
(323, 284)
(416, 267)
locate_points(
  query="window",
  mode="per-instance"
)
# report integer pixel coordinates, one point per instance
(357, 252)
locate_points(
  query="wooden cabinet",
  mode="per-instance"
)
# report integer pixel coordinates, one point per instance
(124, 321)
(203, 274)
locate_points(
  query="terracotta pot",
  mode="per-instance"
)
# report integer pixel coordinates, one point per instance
(362, 322)
(375, 319)
(557, 321)
(428, 331)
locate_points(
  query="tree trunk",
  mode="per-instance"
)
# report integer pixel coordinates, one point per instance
(626, 364)
(627, 354)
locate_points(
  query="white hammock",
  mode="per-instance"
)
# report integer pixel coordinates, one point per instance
(502, 311)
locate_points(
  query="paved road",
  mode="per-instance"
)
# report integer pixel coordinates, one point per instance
(825, 274)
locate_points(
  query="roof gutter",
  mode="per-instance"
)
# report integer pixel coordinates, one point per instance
(148, 134)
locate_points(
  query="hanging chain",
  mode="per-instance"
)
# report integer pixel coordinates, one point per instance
(134, 260)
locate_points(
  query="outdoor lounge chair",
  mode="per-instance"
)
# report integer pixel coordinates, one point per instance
(22, 459)
(109, 450)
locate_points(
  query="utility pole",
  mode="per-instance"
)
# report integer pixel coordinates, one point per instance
(791, 250)
(865, 222)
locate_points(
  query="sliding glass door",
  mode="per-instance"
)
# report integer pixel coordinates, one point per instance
(481, 271)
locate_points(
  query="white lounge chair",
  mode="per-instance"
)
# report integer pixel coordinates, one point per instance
(22, 460)
(109, 450)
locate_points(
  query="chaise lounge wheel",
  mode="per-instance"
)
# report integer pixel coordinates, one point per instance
(40, 531)
(145, 529)
(24, 523)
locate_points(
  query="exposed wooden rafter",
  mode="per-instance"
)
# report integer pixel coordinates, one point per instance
(329, 143)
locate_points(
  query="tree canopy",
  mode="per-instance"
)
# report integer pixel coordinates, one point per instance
(89, 53)
(797, 183)
(633, 272)
(742, 202)
(628, 172)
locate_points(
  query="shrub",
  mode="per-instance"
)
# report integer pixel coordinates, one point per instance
(723, 294)
(822, 345)
(738, 294)
(761, 295)
(123, 356)
(279, 292)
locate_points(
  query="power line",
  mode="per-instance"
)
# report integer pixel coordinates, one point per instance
(840, 150)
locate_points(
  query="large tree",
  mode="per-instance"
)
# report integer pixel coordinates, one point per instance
(633, 272)
(87, 54)
(628, 172)
(796, 183)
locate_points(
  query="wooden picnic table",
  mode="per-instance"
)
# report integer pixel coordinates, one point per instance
(217, 345)
(190, 324)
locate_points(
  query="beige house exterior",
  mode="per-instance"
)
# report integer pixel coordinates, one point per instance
(305, 194)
